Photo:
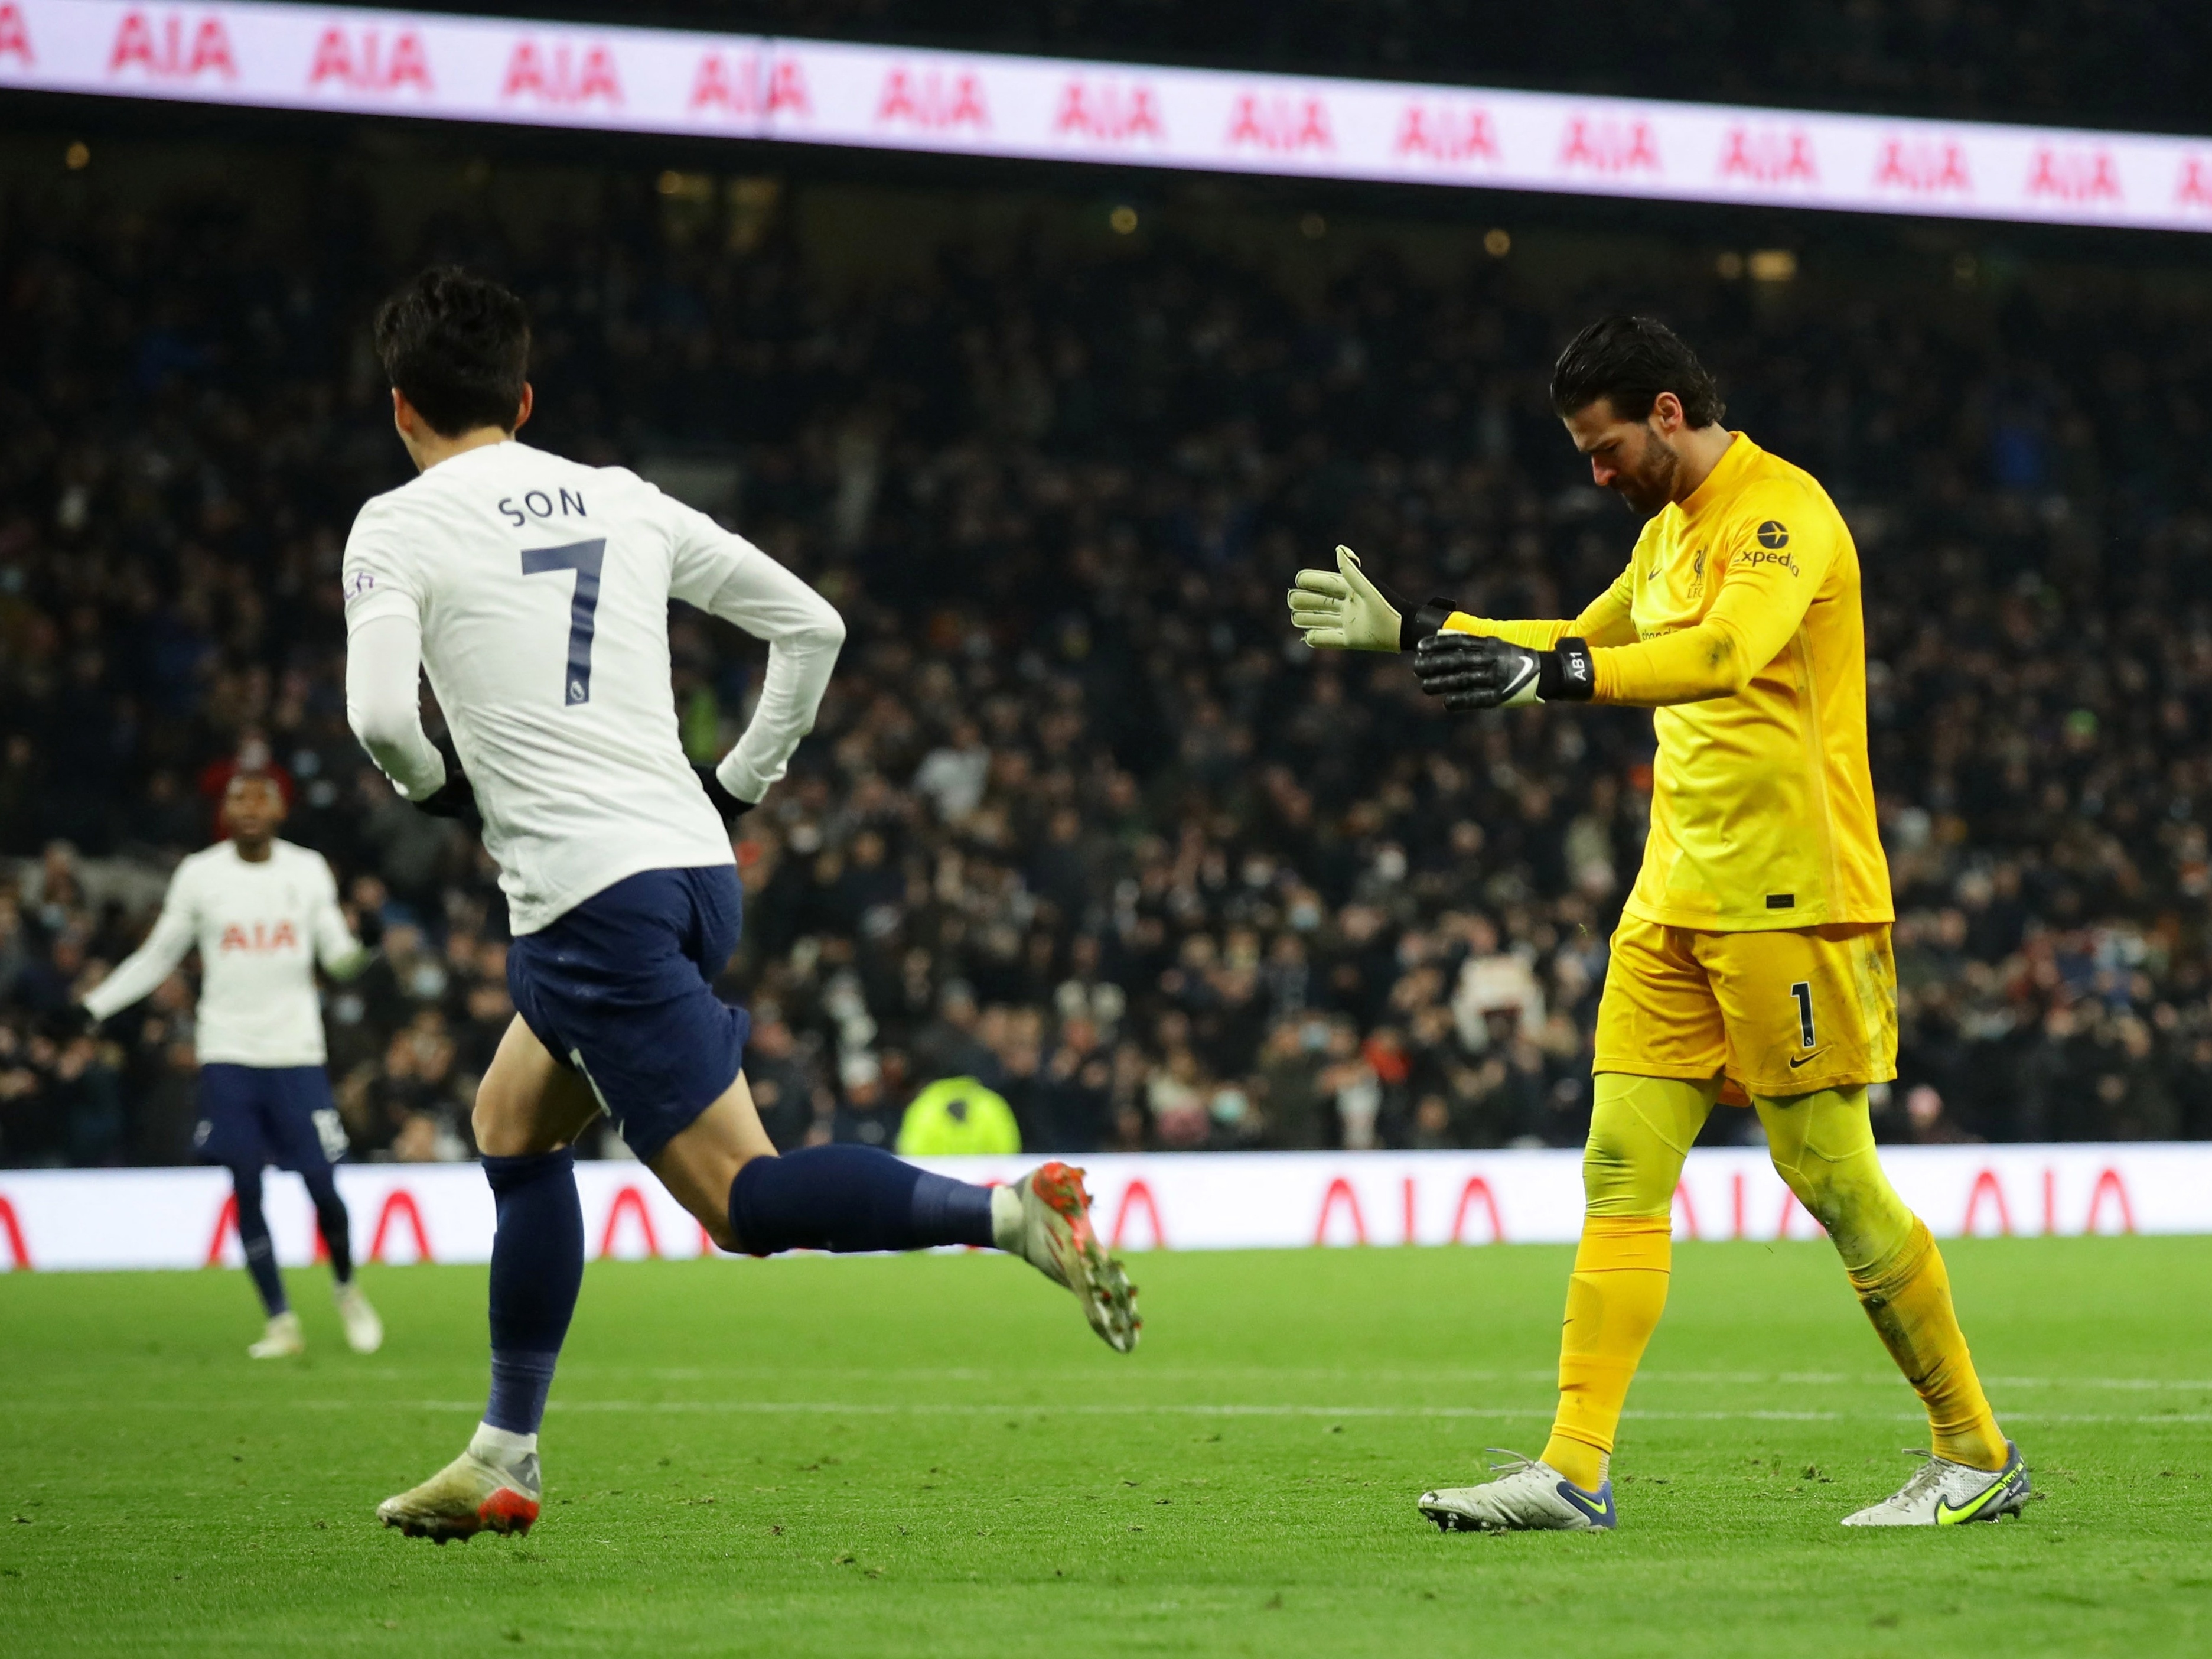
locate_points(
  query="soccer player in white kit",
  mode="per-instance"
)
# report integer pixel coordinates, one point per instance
(262, 911)
(534, 592)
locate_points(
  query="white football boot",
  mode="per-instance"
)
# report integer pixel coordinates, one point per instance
(1045, 1218)
(1528, 1496)
(470, 1495)
(364, 1331)
(1942, 1493)
(282, 1339)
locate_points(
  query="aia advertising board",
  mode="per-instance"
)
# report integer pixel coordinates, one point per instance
(456, 68)
(80, 1219)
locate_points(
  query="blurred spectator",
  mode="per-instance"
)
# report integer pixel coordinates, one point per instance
(1080, 819)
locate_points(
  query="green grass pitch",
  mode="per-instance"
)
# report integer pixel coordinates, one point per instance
(933, 1455)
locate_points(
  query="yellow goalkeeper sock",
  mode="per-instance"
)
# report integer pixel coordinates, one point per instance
(1908, 1297)
(1823, 1146)
(1613, 1302)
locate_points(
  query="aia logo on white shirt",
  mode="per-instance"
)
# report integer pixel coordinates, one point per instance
(261, 936)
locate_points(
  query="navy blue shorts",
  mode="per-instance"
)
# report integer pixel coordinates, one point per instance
(256, 1115)
(622, 989)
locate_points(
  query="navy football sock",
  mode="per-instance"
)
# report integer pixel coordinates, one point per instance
(333, 1224)
(253, 1238)
(852, 1198)
(537, 1268)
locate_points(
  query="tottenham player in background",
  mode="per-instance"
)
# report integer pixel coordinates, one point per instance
(262, 910)
(534, 592)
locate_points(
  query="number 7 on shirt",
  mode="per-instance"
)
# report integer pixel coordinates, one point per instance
(585, 559)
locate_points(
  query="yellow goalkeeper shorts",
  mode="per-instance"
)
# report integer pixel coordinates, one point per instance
(1777, 1013)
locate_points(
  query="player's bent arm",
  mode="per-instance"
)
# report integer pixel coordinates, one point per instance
(804, 633)
(384, 662)
(726, 575)
(1604, 621)
(141, 972)
(1762, 602)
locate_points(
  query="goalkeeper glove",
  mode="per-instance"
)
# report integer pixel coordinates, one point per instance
(1478, 671)
(455, 798)
(1347, 610)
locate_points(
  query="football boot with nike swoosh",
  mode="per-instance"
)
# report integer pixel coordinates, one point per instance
(1528, 1496)
(1942, 1493)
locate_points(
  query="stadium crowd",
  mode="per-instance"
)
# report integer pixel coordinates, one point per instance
(1080, 818)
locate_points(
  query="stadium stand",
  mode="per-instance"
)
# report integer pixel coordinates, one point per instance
(1080, 818)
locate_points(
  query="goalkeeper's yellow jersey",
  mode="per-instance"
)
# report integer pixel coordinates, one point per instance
(1738, 622)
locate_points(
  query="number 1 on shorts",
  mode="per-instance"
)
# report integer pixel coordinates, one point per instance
(1803, 990)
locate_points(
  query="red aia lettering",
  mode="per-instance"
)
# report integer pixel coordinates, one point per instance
(1339, 1190)
(1923, 168)
(1446, 133)
(226, 1226)
(362, 63)
(1768, 157)
(2074, 176)
(932, 101)
(166, 53)
(1986, 1185)
(629, 1201)
(14, 35)
(1281, 125)
(2109, 1181)
(1476, 1188)
(1134, 1194)
(1107, 113)
(559, 77)
(402, 1205)
(1605, 146)
(742, 86)
(19, 1253)
(2193, 189)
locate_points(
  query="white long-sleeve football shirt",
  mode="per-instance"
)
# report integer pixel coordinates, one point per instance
(260, 930)
(534, 592)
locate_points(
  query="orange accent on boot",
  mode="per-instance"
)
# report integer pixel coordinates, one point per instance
(507, 1511)
(1908, 1297)
(1615, 1299)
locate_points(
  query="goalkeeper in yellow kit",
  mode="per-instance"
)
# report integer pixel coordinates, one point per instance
(1754, 951)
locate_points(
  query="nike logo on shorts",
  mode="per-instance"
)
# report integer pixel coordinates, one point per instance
(1803, 1059)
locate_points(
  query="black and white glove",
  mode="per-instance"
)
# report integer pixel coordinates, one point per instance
(1348, 609)
(1479, 671)
(455, 798)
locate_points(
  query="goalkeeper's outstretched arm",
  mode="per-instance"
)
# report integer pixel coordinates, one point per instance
(1475, 664)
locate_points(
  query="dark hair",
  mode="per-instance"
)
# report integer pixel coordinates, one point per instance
(1629, 362)
(459, 346)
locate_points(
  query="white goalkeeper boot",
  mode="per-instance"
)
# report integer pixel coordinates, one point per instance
(282, 1339)
(1942, 1493)
(1045, 1219)
(494, 1486)
(364, 1331)
(1528, 1496)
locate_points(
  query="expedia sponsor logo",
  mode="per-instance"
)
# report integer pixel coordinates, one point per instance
(1752, 557)
(1773, 534)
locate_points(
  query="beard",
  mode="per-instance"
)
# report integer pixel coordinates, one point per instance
(1647, 483)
